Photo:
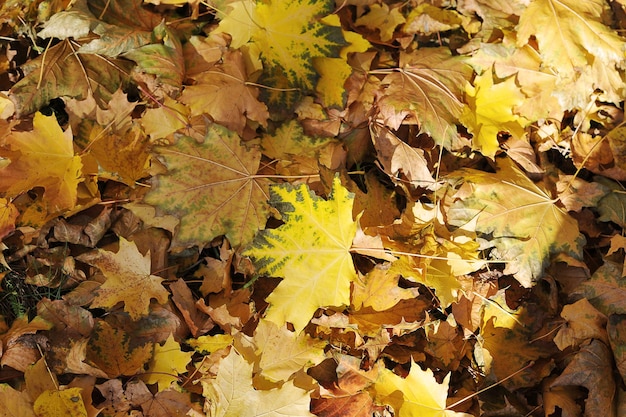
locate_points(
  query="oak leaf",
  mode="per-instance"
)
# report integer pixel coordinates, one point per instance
(418, 394)
(212, 187)
(285, 34)
(231, 393)
(167, 362)
(43, 157)
(128, 279)
(523, 221)
(311, 251)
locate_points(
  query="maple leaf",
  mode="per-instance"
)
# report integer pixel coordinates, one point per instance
(526, 226)
(15, 403)
(573, 36)
(231, 393)
(167, 362)
(427, 89)
(128, 279)
(286, 34)
(61, 72)
(224, 93)
(490, 110)
(8, 215)
(595, 356)
(66, 402)
(583, 322)
(109, 349)
(418, 394)
(381, 18)
(396, 156)
(316, 238)
(212, 188)
(44, 158)
(122, 156)
(282, 352)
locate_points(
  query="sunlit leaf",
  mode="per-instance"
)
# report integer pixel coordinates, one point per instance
(311, 251)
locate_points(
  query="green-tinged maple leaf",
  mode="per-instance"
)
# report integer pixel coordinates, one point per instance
(573, 38)
(62, 72)
(606, 290)
(490, 110)
(286, 34)
(212, 187)
(427, 89)
(110, 350)
(167, 362)
(311, 251)
(520, 219)
(163, 60)
(43, 157)
(128, 279)
(231, 393)
(419, 394)
(223, 92)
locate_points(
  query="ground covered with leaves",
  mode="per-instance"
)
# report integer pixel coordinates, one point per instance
(298, 208)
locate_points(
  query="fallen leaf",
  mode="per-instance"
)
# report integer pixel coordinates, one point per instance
(168, 361)
(316, 237)
(43, 157)
(592, 369)
(109, 349)
(419, 394)
(231, 393)
(128, 279)
(212, 188)
(526, 225)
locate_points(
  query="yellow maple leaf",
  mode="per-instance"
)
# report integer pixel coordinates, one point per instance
(8, 215)
(381, 18)
(490, 110)
(286, 34)
(231, 393)
(54, 403)
(311, 251)
(43, 157)
(526, 226)
(167, 362)
(283, 353)
(417, 395)
(573, 38)
(128, 279)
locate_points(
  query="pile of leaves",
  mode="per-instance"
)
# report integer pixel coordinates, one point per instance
(297, 208)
